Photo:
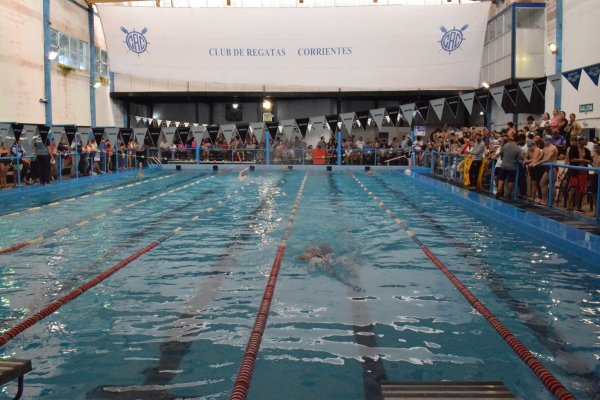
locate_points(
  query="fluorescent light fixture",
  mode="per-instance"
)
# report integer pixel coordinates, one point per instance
(553, 47)
(485, 85)
(235, 106)
(266, 104)
(480, 112)
(52, 55)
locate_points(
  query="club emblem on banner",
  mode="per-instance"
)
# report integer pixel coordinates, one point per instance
(136, 41)
(452, 39)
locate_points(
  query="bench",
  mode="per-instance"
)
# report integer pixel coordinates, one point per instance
(10, 369)
(445, 390)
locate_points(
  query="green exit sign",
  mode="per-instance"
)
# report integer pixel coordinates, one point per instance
(586, 108)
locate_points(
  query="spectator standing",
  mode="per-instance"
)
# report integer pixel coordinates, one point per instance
(573, 128)
(477, 152)
(510, 154)
(577, 155)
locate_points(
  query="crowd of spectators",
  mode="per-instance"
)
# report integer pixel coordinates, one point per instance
(557, 141)
(49, 160)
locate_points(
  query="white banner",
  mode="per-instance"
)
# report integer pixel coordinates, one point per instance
(301, 46)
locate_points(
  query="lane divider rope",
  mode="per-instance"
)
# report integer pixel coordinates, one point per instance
(102, 215)
(244, 377)
(545, 376)
(85, 196)
(54, 306)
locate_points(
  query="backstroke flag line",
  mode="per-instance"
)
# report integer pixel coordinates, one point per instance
(396, 48)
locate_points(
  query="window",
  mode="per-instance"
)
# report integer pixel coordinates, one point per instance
(71, 51)
(101, 59)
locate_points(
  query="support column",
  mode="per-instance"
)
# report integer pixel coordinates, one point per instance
(47, 64)
(559, 42)
(92, 67)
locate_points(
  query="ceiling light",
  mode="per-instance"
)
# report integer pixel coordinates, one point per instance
(266, 104)
(485, 85)
(235, 106)
(553, 47)
(97, 84)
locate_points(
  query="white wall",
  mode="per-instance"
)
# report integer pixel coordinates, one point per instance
(22, 67)
(579, 49)
(21, 62)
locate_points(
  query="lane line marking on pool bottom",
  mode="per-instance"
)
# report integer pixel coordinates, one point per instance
(28, 322)
(84, 196)
(103, 215)
(544, 375)
(244, 376)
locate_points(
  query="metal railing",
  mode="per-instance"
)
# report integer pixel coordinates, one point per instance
(560, 194)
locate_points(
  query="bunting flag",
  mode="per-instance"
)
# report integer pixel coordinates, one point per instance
(228, 130)
(555, 80)
(99, 134)
(213, 133)
(438, 107)
(44, 133)
(169, 133)
(140, 135)
(6, 133)
(574, 77)
(199, 133)
(302, 125)
(319, 125)
(363, 118)
(408, 110)
(242, 130)
(111, 133)
(453, 103)
(468, 99)
(526, 88)
(257, 130)
(593, 71)
(27, 135)
(483, 99)
(540, 86)
(125, 135)
(497, 94)
(288, 127)
(512, 92)
(423, 109)
(378, 115)
(332, 121)
(273, 127)
(394, 114)
(348, 121)
(186, 124)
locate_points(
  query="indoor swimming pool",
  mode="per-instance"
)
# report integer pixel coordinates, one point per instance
(371, 307)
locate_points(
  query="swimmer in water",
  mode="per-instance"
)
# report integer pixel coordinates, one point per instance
(139, 174)
(243, 173)
(321, 259)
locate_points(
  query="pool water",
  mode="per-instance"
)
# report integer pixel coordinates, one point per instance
(175, 322)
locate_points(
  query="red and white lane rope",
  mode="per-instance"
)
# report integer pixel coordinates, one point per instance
(85, 196)
(102, 215)
(544, 375)
(54, 306)
(244, 377)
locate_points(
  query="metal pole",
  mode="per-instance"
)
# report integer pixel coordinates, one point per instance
(551, 186)
(197, 152)
(516, 184)
(339, 147)
(268, 148)
(598, 196)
